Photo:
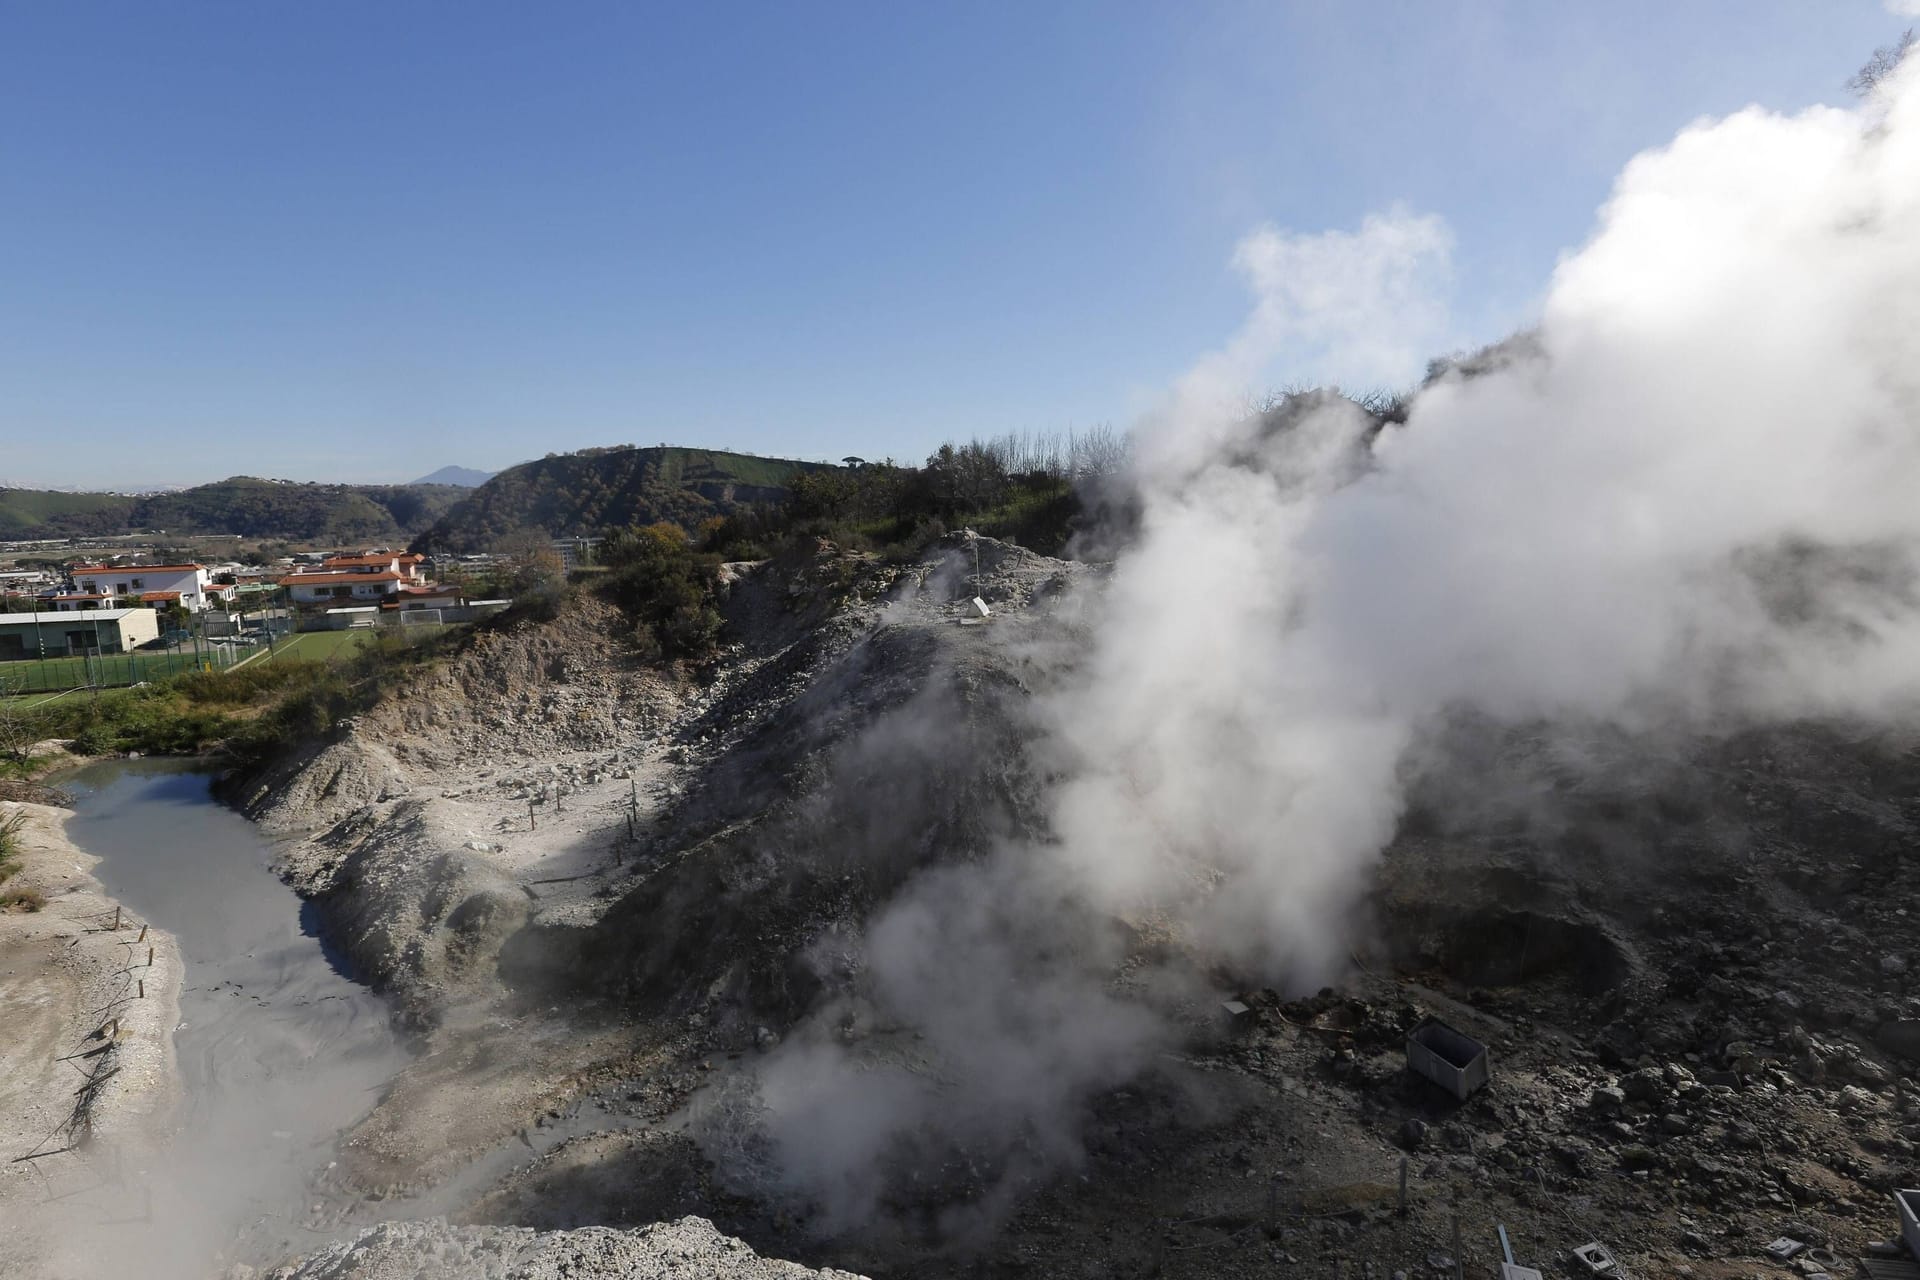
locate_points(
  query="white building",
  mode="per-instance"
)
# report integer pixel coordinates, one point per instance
(405, 563)
(152, 585)
(58, 635)
(325, 588)
(375, 577)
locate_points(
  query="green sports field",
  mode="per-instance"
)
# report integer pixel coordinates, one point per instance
(334, 646)
(317, 646)
(34, 677)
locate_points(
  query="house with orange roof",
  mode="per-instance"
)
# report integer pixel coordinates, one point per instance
(149, 585)
(409, 565)
(370, 587)
(368, 577)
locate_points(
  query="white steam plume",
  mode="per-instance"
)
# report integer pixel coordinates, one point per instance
(1360, 308)
(1689, 492)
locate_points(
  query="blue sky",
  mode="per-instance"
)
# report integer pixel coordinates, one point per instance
(355, 241)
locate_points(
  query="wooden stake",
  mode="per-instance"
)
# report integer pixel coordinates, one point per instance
(531, 824)
(149, 957)
(116, 919)
(143, 934)
(143, 988)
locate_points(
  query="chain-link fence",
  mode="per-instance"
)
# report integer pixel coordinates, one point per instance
(113, 670)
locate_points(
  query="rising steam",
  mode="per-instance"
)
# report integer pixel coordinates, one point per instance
(1688, 492)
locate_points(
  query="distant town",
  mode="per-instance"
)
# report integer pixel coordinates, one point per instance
(158, 607)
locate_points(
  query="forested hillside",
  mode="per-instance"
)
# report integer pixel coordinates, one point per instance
(241, 505)
(597, 489)
(302, 512)
(48, 513)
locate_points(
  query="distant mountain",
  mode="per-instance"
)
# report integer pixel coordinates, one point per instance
(464, 477)
(56, 513)
(244, 505)
(584, 493)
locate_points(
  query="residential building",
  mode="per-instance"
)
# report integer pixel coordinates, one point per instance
(405, 563)
(26, 581)
(327, 588)
(59, 635)
(423, 597)
(153, 585)
(371, 576)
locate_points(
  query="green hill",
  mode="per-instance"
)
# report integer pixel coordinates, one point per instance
(301, 512)
(593, 490)
(565, 494)
(45, 513)
(244, 505)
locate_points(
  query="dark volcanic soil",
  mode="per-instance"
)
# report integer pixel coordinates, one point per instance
(1690, 954)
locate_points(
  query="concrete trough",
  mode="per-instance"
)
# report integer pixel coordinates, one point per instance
(1909, 1203)
(1451, 1059)
(1598, 1260)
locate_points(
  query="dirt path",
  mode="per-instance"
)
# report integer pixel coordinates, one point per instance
(87, 1072)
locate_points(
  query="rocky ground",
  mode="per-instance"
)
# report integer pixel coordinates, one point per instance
(689, 1249)
(87, 1074)
(602, 892)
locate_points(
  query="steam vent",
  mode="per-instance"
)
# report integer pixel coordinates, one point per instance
(960, 641)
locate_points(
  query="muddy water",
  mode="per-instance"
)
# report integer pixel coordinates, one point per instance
(279, 1048)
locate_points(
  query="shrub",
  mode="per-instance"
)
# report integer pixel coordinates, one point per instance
(666, 587)
(245, 686)
(10, 844)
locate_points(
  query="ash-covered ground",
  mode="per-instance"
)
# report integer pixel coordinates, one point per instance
(779, 945)
(1568, 699)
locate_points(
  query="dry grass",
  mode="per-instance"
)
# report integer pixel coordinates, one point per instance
(21, 900)
(10, 852)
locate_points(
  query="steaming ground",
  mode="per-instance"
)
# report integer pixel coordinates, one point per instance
(758, 1012)
(1574, 705)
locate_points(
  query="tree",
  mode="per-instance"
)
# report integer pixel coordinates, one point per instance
(532, 566)
(658, 580)
(825, 494)
(1098, 452)
(1882, 64)
(969, 479)
(19, 727)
